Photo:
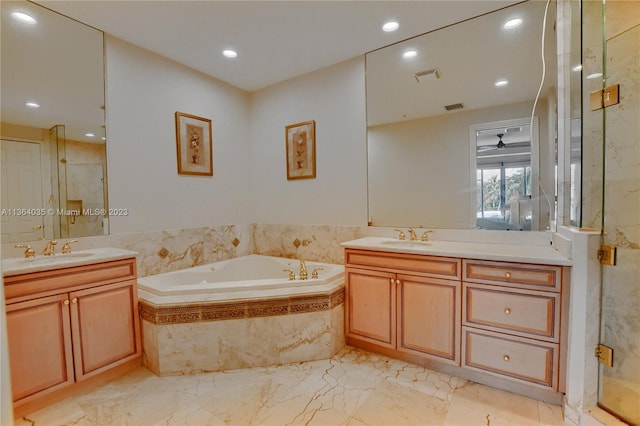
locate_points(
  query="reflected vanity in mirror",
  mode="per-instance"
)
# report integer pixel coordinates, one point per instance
(53, 129)
(436, 105)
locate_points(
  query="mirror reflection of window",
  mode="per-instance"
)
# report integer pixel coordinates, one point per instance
(420, 112)
(504, 188)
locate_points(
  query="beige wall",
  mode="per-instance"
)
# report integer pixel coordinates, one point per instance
(144, 91)
(335, 98)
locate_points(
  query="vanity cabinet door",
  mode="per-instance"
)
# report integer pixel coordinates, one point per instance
(429, 318)
(370, 312)
(39, 340)
(106, 327)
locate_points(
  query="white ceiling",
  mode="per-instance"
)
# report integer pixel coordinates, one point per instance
(275, 40)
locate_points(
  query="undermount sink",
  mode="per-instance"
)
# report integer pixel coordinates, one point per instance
(56, 258)
(406, 243)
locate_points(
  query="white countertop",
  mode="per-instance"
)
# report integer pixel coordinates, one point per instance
(524, 253)
(21, 265)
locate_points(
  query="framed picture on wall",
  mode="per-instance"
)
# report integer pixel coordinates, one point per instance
(301, 150)
(193, 140)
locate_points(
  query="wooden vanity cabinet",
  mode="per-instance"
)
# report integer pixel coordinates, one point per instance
(416, 313)
(69, 324)
(498, 323)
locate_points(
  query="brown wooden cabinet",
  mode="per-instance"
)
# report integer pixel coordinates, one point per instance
(417, 314)
(69, 324)
(498, 323)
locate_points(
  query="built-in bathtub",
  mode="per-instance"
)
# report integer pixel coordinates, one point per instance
(239, 313)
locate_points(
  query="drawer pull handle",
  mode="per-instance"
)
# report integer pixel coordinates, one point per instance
(507, 311)
(66, 302)
(74, 300)
(507, 274)
(506, 357)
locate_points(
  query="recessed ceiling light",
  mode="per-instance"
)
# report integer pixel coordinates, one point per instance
(594, 75)
(229, 53)
(512, 23)
(577, 68)
(103, 138)
(32, 105)
(24, 17)
(409, 54)
(89, 135)
(390, 26)
(501, 83)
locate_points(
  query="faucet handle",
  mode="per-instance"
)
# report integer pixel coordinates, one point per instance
(400, 235)
(28, 252)
(292, 275)
(66, 248)
(425, 236)
(314, 273)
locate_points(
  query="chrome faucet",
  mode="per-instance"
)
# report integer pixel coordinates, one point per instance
(303, 270)
(49, 249)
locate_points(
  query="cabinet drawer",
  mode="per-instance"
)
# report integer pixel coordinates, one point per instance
(522, 312)
(545, 277)
(21, 287)
(432, 266)
(517, 358)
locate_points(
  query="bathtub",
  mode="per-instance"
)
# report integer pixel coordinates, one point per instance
(240, 313)
(252, 274)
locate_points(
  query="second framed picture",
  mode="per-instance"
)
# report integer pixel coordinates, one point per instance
(301, 150)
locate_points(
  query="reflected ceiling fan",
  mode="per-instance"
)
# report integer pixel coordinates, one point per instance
(499, 145)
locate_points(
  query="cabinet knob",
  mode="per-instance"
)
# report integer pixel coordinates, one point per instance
(507, 274)
(66, 302)
(506, 358)
(74, 300)
(392, 281)
(398, 282)
(507, 311)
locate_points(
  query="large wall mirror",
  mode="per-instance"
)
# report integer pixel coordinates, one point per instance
(52, 126)
(453, 138)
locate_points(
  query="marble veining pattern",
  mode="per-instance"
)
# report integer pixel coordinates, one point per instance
(353, 387)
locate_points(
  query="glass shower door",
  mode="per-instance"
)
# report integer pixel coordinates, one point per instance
(619, 385)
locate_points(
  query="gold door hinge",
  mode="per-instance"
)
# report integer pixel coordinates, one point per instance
(604, 98)
(607, 255)
(604, 355)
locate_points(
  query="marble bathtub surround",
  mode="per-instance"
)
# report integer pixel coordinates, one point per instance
(351, 388)
(261, 336)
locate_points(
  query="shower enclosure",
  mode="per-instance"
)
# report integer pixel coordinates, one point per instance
(611, 189)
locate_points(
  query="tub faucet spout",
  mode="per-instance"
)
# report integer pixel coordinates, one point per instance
(303, 270)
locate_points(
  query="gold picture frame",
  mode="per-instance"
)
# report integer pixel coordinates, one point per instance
(301, 150)
(193, 142)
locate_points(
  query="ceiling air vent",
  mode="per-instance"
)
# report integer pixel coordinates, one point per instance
(453, 107)
(428, 75)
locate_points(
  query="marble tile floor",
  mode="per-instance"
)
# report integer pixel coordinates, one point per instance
(352, 388)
